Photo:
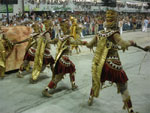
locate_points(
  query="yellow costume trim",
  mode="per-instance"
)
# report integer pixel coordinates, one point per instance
(4, 53)
(75, 32)
(31, 42)
(36, 28)
(2, 59)
(111, 19)
(60, 48)
(47, 24)
(65, 27)
(38, 60)
(101, 52)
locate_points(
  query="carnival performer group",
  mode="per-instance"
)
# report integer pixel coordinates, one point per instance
(106, 64)
(38, 50)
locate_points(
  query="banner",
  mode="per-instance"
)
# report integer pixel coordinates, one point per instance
(4, 10)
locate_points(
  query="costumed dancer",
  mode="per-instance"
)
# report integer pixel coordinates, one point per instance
(75, 32)
(6, 47)
(38, 50)
(48, 25)
(63, 65)
(106, 65)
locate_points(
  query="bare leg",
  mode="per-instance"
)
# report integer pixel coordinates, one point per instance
(90, 101)
(122, 87)
(23, 66)
(91, 97)
(72, 80)
(52, 85)
(43, 68)
(52, 68)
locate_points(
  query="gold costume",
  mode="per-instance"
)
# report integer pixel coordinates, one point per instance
(5, 50)
(38, 50)
(75, 31)
(41, 47)
(98, 62)
(106, 64)
(63, 65)
(104, 49)
(38, 60)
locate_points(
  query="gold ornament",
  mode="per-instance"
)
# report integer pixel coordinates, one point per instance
(36, 28)
(65, 27)
(48, 24)
(111, 19)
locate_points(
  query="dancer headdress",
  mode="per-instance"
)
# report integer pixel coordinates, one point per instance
(111, 19)
(65, 27)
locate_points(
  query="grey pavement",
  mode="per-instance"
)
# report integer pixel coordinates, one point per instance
(18, 96)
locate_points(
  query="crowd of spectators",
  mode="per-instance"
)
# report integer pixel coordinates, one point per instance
(120, 5)
(91, 22)
(136, 6)
(89, 3)
(53, 2)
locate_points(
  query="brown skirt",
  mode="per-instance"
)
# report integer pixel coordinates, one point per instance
(117, 76)
(30, 54)
(64, 65)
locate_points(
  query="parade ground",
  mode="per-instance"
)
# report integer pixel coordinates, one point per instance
(17, 95)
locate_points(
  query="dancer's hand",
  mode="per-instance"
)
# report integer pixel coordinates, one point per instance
(147, 48)
(84, 42)
(132, 43)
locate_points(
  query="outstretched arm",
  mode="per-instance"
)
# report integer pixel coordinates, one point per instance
(147, 48)
(93, 42)
(124, 44)
(77, 41)
(54, 41)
